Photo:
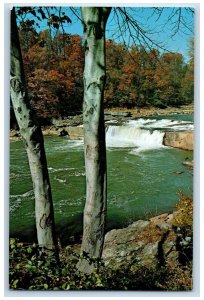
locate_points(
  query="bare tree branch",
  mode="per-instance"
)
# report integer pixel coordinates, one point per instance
(76, 13)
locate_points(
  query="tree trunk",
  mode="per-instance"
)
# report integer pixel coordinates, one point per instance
(33, 139)
(94, 23)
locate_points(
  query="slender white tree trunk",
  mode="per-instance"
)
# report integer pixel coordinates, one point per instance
(34, 143)
(94, 23)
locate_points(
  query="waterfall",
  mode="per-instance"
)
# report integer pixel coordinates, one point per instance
(129, 136)
(143, 134)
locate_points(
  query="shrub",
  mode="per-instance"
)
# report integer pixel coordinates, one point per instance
(184, 217)
(32, 270)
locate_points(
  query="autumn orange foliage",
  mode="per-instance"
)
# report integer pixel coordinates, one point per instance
(135, 76)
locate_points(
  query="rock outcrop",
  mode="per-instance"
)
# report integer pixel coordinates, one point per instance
(52, 131)
(72, 132)
(70, 121)
(75, 132)
(188, 163)
(152, 243)
(182, 139)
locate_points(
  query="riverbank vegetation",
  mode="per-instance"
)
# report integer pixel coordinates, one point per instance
(32, 270)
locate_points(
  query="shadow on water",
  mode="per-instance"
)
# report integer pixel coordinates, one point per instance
(68, 232)
(26, 235)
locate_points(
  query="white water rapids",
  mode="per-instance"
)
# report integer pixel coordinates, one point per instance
(129, 136)
(172, 125)
(143, 134)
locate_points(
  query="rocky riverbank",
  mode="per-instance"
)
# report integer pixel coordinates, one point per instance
(117, 114)
(182, 140)
(158, 250)
(154, 254)
(146, 243)
(163, 240)
(153, 111)
(73, 125)
(120, 115)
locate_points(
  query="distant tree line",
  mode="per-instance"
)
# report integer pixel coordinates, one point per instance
(136, 77)
(148, 78)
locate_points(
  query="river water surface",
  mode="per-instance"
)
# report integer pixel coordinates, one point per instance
(142, 178)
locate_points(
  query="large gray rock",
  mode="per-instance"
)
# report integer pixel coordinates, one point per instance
(144, 243)
(182, 140)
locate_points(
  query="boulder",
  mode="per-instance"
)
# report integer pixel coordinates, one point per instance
(179, 172)
(75, 132)
(149, 243)
(182, 139)
(188, 163)
(63, 132)
(50, 131)
(119, 245)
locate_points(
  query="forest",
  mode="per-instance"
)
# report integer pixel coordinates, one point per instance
(136, 77)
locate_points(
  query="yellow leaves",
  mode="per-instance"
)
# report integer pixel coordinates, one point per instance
(185, 211)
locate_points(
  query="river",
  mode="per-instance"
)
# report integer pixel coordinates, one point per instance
(143, 177)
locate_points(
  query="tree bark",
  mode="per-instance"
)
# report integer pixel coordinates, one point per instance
(33, 138)
(94, 22)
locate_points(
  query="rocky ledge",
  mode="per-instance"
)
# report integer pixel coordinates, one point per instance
(177, 139)
(182, 140)
(152, 243)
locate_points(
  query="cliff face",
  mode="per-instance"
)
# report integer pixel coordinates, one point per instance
(182, 140)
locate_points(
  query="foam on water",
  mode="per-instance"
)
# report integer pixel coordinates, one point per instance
(174, 125)
(143, 134)
(16, 200)
(54, 170)
(129, 136)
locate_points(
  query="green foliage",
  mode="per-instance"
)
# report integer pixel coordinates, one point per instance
(29, 268)
(32, 270)
(159, 104)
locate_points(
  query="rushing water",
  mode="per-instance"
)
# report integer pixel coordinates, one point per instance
(142, 178)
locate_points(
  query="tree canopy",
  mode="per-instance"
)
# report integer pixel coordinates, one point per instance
(135, 77)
